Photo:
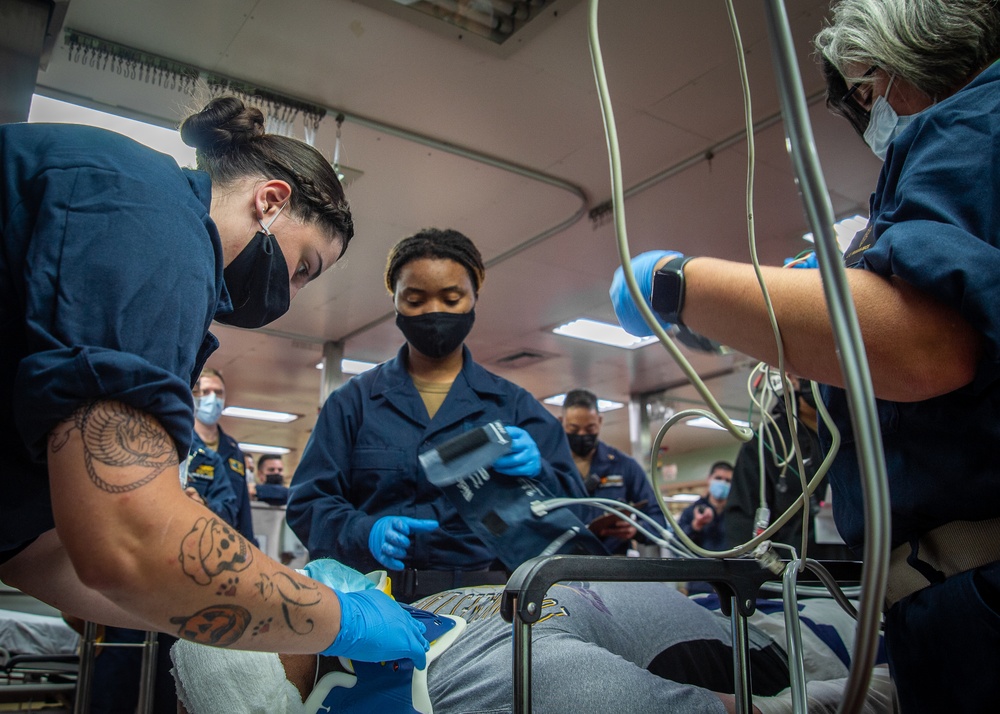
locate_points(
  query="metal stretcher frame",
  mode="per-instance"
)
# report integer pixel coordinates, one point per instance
(737, 581)
(147, 670)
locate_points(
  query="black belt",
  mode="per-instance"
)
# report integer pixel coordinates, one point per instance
(412, 584)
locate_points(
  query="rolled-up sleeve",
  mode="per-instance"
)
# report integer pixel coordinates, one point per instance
(119, 290)
(936, 227)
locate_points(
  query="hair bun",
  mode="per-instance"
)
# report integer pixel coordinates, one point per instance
(224, 124)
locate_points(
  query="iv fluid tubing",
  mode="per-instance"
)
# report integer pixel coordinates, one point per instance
(847, 333)
(618, 201)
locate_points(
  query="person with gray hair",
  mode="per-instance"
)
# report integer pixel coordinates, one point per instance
(918, 80)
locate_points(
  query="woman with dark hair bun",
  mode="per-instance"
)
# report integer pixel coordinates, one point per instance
(113, 263)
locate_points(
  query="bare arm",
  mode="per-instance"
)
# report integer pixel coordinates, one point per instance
(916, 347)
(133, 536)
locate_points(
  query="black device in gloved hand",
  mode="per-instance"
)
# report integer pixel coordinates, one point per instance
(497, 507)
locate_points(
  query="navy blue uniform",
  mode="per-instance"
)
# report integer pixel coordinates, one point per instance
(712, 536)
(206, 473)
(622, 479)
(935, 223)
(236, 469)
(110, 274)
(274, 494)
(361, 463)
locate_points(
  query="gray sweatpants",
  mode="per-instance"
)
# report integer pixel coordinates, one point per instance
(590, 651)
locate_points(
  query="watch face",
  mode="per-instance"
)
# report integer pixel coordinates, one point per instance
(668, 288)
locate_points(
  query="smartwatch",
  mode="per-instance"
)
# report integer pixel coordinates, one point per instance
(667, 299)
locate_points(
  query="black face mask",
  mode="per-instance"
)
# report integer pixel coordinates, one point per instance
(436, 334)
(274, 479)
(582, 444)
(257, 281)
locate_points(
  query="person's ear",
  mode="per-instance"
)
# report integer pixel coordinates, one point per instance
(270, 196)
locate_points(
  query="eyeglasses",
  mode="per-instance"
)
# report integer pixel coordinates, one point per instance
(857, 85)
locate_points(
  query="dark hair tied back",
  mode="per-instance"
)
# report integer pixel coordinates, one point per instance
(231, 145)
(223, 126)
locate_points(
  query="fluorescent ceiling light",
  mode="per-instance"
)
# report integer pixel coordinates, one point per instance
(352, 366)
(706, 423)
(846, 229)
(603, 405)
(602, 333)
(682, 498)
(167, 141)
(261, 414)
(262, 448)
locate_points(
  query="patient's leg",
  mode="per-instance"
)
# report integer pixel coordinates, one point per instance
(591, 650)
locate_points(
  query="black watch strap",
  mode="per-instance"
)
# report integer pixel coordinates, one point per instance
(667, 299)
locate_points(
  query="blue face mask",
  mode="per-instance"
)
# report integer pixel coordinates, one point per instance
(718, 489)
(209, 408)
(884, 124)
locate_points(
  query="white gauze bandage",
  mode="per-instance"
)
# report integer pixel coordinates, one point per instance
(211, 680)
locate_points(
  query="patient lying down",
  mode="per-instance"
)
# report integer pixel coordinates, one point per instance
(621, 647)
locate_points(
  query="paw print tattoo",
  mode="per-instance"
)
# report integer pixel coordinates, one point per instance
(262, 627)
(228, 588)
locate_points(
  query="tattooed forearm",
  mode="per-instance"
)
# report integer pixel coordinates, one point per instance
(220, 625)
(123, 448)
(294, 597)
(211, 547)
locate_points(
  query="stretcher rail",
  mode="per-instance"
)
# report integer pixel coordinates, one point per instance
(737, 582)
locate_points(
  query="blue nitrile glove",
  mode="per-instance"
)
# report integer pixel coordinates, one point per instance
(523, 459)
(626, 310)
(388, 540)
(336, 576)
(809, 262)
(374, 628)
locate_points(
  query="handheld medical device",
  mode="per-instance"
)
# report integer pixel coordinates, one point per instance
(498, 508)
(465, 454)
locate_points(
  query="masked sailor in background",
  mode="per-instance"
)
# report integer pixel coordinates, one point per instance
(607, 473)
(210, 400)
(359, 495)
(918, 79)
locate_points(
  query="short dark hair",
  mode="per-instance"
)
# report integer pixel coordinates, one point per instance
(581, 398)
(446, 244)
(720, 465)
(268, 457)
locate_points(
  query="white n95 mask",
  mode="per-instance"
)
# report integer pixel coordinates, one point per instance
(884, 125)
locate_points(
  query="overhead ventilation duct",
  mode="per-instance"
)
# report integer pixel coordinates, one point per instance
(493, 22)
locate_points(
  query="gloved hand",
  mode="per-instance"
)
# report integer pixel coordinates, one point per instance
(523, 459)
(389, 541)
(336, 575)
(626, 310)
(808, 261)
(374, 628)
